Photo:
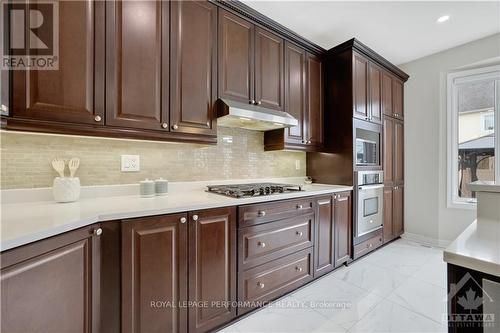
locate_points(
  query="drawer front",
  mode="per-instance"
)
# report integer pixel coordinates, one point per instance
(272, 211)
(367, 246)
(262, 243)
(274, 279)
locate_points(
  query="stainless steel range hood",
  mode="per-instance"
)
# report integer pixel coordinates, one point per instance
(252, 117)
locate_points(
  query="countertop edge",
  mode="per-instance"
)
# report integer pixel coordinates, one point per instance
(471, 263)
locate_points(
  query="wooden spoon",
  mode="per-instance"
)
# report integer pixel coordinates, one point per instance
(59, 165)
(73, 165)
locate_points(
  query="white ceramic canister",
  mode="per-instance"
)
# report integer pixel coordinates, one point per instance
(161, 186)
(66, 189)
(147, 188)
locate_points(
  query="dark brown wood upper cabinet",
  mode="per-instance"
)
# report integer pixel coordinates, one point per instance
(75, 92)
(212, 268)
(52, 285)
(360, 86)
(375, 96)
(154, 268)
(343, 228)
(387, 94)
(398, 152)
(137, 94)
(295, 92)
(269, 70)
(236, 57)
(193, 74)
(314, 100)
(397, 98)
(324, 242)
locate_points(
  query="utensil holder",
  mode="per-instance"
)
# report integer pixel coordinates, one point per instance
(66, 189)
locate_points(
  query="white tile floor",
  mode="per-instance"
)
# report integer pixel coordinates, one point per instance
(399, 288)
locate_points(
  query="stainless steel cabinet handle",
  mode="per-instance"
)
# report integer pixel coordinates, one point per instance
(97, 118)
(261, 244)
(299, 233)
(261, 285)
(252, 101)
(164, 125)
(195, 217)
(259, 102)
(261, 213)
(98, 231)
(183, 220)
(298, 269)
(174, 127)
(299, 207)
(308, 141)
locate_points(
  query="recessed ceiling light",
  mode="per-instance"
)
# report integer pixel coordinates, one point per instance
(443, 18)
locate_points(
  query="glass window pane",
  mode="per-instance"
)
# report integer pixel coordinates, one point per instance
(476, 134)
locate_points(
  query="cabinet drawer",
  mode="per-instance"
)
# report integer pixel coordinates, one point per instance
(276, 278)
(266, 212)
(262, 243)
(367, 246)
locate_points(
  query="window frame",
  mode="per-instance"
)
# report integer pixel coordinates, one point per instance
(453, 79)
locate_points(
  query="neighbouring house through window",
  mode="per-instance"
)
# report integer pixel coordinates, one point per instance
(473, 120)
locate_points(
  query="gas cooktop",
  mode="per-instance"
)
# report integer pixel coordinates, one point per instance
(253, 189)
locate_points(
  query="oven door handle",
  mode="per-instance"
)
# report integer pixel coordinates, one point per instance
(370, 187)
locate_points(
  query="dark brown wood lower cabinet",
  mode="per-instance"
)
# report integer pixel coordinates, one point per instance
(212, 268)
(52, 285)
(397, 206)
(154, 274)
(324, 242)
(343, 228)
(388, 221)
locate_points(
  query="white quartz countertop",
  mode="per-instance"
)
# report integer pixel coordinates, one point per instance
(23, 223)
(485, 186)
(477, 248)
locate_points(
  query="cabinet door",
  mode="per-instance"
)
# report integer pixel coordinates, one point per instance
(295, 92)
(343, 228)
(324, 259)
(397, 98)
(154, 268)
(193, 67)
(314, 100)
(360, 87)
(212, 267)
(75, 92)
(387, 94)
(137, 64)
(269, 70)
(398, 152)
(398, 210)
(52, 285)
(375, 96)
(388, 223)
(388, 150)
(236, 57)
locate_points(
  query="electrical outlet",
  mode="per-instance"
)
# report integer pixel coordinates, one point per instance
(130, 163)
(297, 164)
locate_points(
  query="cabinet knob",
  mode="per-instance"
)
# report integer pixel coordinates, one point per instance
(299, 207)
(252, 101)
(174, 127)
(195, 217)
(396, 187)
(259, 102)
(261, 213)
(298, 269)
(164, 125)
(183, 220)
(261, 244)
(308, 141)
(261, 285)
(98, 232)
(299, 233)
(97, 118)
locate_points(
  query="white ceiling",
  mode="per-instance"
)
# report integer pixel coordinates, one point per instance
(400, 31)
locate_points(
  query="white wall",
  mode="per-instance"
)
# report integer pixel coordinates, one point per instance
(426, 212)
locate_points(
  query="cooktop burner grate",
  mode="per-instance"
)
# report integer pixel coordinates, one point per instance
(251, 190)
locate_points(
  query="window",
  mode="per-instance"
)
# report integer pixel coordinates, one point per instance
(473, 121)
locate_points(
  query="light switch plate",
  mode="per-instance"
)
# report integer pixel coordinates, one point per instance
(130, 163)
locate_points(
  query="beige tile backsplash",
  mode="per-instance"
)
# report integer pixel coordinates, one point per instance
(26, 157)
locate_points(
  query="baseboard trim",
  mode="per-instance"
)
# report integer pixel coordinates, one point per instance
(424, 240)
